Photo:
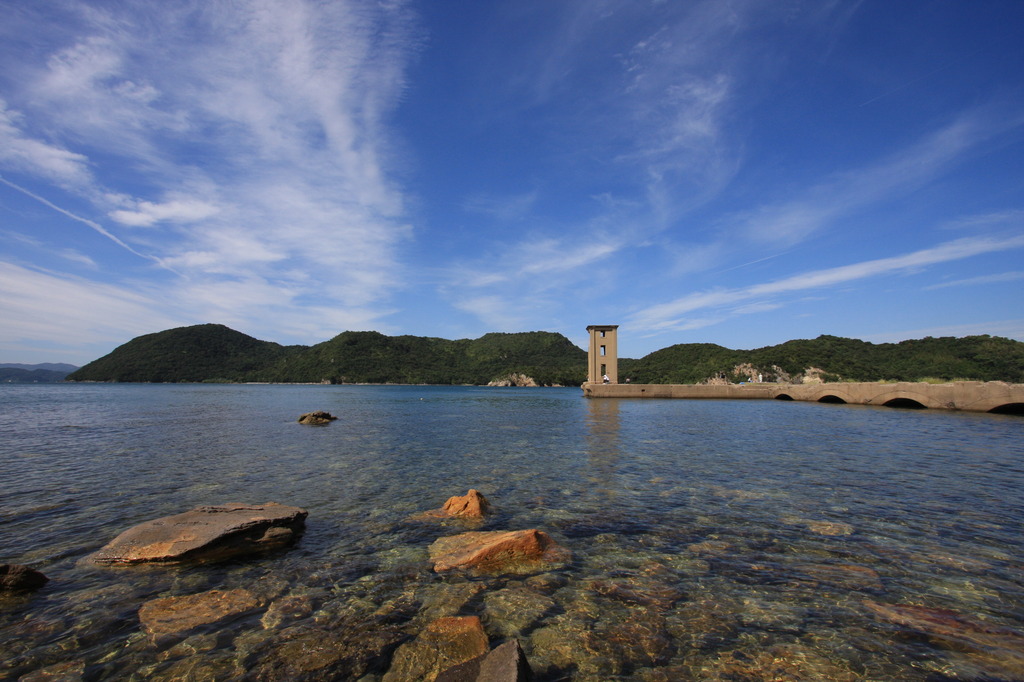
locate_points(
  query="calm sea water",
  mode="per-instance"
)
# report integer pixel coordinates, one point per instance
(711, 540)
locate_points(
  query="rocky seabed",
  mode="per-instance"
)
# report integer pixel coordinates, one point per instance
(500, 604)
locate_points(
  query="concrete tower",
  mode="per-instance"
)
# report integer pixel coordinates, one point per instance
(603, 354)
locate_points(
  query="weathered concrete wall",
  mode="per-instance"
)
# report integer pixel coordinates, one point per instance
(973, 396)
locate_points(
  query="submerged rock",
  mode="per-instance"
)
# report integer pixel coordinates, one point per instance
(518, 551)
(829, 527)
(999, 650)
(779, 663)
(170, 616)
(16, 578)
(643, 641)
(710, 548)
(847, 576)
(447, 599)
(515, 610)
(444, 643)
(506, 663)
(206, 534)
(286, 610)
(69, 671)
(318, 418)
(348, 651)
(649, 594)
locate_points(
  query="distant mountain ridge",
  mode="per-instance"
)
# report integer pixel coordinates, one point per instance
(49, 366)
(216, 353)
(43, 373)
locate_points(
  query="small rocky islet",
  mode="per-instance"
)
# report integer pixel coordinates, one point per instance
(317, 418)
(492, 586)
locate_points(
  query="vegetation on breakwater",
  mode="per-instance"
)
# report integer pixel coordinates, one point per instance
(213, 352)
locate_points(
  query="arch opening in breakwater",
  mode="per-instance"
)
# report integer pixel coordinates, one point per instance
(1012, 408)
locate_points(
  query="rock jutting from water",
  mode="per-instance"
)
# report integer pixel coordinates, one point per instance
(17, 578)
(210, 533)
(318, 418)
(514, 379)
(472, 506)
(517, 551)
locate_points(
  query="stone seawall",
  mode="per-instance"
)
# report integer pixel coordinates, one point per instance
(972, 396)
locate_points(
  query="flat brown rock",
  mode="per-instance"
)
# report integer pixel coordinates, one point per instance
(206, 534)
(499, 550)
(178, 615)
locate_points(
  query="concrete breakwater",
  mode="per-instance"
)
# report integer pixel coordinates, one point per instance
(971, 396)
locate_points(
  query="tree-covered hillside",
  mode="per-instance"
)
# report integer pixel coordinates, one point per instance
(980, 358)
(205, 352)
(213, 352)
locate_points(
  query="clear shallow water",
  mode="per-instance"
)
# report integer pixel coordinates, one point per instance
(711, 540)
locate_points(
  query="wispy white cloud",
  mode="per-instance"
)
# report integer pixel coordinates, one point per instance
(519, 282)
(497, 312)
(254, 136)
(790, 222)
(23, 153)
(676, 314)
(85, 221)
(78, 257)
(147, 213)
(664, 119)
(975, 281)
(37, 304)
(551, 256)
(1013, 218)
(504, 208)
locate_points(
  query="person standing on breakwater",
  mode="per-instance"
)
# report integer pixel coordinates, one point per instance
(606, 379)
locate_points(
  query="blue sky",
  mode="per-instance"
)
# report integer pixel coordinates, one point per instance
(730, 171)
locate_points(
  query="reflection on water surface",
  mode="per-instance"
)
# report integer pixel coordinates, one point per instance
(711, 540)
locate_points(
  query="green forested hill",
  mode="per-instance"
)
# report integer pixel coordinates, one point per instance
(205, 352)
(979, 358)
(213, 352)
(371, 357)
